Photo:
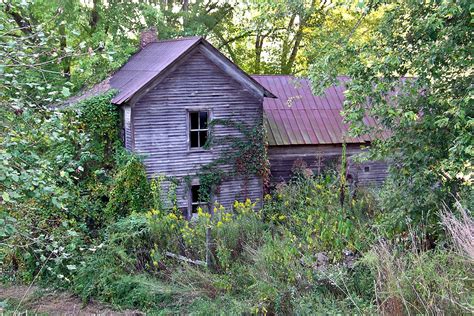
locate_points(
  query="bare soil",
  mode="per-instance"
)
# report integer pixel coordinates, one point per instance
(43, 301)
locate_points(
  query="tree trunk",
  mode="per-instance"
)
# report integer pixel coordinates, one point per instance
(94, 18)
(66, 60)
(184, 10)
(22, 23)
(258, 52)
(286, 43)
(287, 66)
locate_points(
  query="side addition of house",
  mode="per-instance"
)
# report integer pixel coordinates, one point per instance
(307, 129)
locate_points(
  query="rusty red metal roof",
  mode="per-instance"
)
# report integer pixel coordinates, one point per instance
(298, 117)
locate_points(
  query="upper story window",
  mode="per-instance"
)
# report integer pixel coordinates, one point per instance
(198, 128)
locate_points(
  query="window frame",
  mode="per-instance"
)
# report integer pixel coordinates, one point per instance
(195, 182)
(189, 130)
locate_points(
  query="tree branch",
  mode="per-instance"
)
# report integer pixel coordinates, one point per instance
(22, 23)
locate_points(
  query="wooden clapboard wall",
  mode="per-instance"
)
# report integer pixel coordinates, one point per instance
(159, 124)
(321, 157)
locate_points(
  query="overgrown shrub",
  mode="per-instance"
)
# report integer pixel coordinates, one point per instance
(60, 170)
(130, 190)
(311, 209)
(124, 252)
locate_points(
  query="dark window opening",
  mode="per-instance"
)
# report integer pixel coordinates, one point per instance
(366, 169)
(197, 201)
(198, 132)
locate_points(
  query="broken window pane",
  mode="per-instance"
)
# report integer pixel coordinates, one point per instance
(196, 201)
(203, 120)
(202, 138)
(194, 137)
(194, 120)
(195, 193)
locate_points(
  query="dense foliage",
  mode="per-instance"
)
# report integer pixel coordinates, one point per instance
(61, 171)
(414, 76)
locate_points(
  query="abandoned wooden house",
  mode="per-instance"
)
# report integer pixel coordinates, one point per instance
(171, 91)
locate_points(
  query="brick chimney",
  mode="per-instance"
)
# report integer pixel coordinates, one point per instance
(148, 36)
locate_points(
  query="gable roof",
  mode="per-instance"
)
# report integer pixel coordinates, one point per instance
(147, 64)
(298, 117)
(154, 60)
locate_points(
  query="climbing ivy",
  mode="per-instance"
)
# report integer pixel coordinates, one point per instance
(100, 120)
(130, 191)
(246, 155)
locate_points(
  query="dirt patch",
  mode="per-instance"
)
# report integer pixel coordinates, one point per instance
(44, 301)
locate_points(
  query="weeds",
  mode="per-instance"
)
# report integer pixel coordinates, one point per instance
(298, 255)
(460, 228)
(420, 282)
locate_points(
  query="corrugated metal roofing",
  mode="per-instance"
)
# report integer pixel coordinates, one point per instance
(298, 117)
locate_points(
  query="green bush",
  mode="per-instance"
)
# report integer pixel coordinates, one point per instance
(63, 169)
(130, 190)
(113, 270)
(311, 209)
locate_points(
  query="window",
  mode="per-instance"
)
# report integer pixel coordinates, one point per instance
(198, 131)
(366, 169)
(197, 201)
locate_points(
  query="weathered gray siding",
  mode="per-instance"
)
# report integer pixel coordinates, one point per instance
(126, 116)
(160, 131)
(321, 157)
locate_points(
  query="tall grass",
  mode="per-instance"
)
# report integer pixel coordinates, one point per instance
(413, 280)
(460, 228)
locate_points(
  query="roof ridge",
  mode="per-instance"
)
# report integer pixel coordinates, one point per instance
(279, 75)
(177, 39)
(294, 76)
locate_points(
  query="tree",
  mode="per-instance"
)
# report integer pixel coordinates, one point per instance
(414, 76)
(269, 36)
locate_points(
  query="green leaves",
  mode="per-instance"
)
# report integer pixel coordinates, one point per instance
(6, 197)
(7, 225)
(131, 191)
(411, 77)
(66, 92)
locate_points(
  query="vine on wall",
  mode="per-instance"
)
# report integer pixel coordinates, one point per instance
(247, 156)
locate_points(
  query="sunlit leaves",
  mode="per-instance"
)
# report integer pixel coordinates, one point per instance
(414, 76)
